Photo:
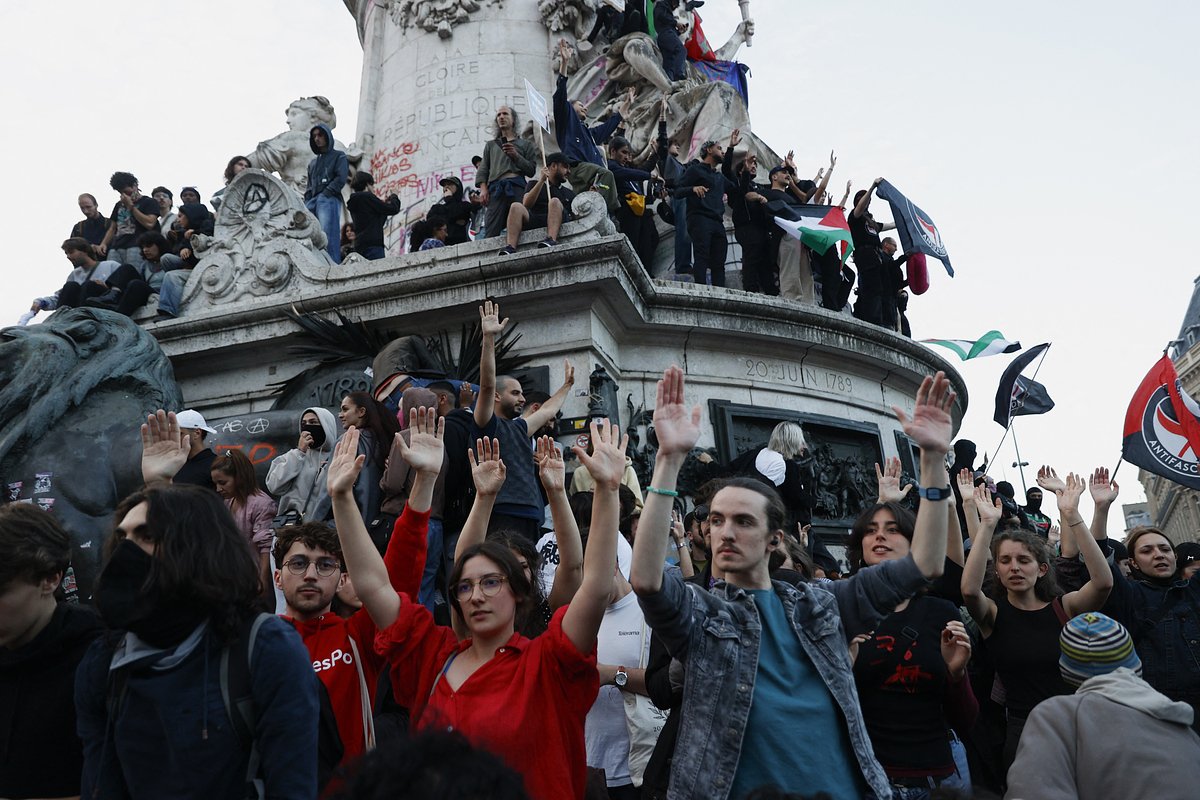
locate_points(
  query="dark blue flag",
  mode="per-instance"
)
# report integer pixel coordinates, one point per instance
(915, 227)
(1016, 394)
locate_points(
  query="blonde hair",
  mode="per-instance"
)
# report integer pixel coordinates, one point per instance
(788, 440)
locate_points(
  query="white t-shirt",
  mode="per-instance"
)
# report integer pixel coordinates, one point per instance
(771, 465)
(623, 640)
(547, 548)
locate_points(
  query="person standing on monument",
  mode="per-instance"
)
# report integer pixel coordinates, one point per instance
(507, 160)
(369, 213)
(581, 144)
(704, 187)
(327, 174)
(864, 230)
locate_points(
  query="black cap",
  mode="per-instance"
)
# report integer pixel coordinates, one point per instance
(1186, 553)
(774, 170)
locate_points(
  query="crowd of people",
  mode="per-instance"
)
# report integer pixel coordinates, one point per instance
(425, 603)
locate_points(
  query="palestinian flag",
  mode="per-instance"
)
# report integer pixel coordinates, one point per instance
(1162, 427)
(991, 343)
(818, 228)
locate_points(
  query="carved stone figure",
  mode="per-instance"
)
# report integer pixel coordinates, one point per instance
(74, 391)
(433, 15)
(265, 241)
(571, 16)
(288, 153)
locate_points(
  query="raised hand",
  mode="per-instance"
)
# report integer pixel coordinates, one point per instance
(790, 159)
(735, 138)
(466, 395)
(966, 486)
(989, 510)
(930, 426)
(1103, 490)
(346, 463)
(423, 451)
(487, 470)
(832, 160)
(568, 373)
(551, 467)
(677, 429)
(607, 461)
(677, 532)
(489, 319)
(956, 648)
(164, 447)
(1048, 479)
(1068, 498)
(889, 482)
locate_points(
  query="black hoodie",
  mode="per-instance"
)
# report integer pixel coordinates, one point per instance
(456, 212)
(40, 751)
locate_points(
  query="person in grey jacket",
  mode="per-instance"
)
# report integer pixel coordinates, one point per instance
(297, 477)
(327, 174)
(769, 698)
(1115, 737)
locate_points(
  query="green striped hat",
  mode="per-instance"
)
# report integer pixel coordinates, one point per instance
(1093, 644)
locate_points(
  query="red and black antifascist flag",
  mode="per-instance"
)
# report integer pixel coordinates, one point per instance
(1162, 427)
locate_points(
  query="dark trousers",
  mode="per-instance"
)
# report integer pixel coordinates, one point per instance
(869, 307)
(829, 264)
(673, 54)
(525, 527)
(641, 233)
(759, 271)
(134, 289)
(708, 249)
(73, 295)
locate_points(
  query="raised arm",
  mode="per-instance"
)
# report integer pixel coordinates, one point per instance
(488, 473)
(1092, 595)
(679, 541)
(966, 491)
(846, 196)
(864, 203)
(954, 540)
(982, 607)
(888, 481)
(677, 430)
(823, 184)
(363, 561)
(164, 447)
(424, 453)
(606, 465)
(538, 419)
(490, 326)
(1104, 493)
(1049, 481)
(569, 573)
(930, 428)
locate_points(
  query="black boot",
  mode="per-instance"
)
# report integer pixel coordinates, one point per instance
(107, 300)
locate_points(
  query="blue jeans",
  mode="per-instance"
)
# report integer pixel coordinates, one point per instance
(126, 255)
(433, 561)
(683, 244)
(328, 211)
(171, 291)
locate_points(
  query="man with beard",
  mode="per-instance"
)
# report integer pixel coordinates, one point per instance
(94, 225)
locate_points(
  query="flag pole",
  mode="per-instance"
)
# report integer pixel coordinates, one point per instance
(997, 450)
(1120, 461)
(1010, 419)
(1020, 463)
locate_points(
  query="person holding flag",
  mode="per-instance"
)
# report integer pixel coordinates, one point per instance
(864, 230)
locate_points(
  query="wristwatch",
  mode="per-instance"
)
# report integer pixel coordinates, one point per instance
(621, 678)
(935, 494)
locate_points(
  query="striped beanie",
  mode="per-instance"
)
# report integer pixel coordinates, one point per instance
(1093, 644)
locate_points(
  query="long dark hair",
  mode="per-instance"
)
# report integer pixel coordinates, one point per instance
(380, 422)
(509, 566)
(237, 465)
(905, 521)
(200, 557)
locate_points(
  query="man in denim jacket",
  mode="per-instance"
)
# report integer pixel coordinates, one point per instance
(769, 696)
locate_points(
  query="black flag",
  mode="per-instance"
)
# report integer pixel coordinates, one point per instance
(1018, 395)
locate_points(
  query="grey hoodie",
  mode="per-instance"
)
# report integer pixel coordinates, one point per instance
(1116, 737)
(298, 479)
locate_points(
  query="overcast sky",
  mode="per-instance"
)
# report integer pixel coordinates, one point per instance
(1052, 143)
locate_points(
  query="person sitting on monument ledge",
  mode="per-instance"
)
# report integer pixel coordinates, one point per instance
(94, 224)
(132, 216)
(455, 209)
(166, 217)
(546, 204)
(427, 234)
(507, 160)
(581, 144)
(189, 194)
(369, 213)
(85, 281)
(193, 218)
(129, 286)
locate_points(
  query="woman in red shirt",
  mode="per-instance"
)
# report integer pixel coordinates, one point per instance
(499, 689)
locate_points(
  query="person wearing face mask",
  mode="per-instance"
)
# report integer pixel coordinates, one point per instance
(297, 477)
(1033, 512)
(178, 594)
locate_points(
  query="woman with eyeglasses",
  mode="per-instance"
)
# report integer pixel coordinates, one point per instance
(524, 700)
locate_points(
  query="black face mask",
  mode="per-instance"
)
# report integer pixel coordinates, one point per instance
(124, 604)
(317, 431)
(1035, 503)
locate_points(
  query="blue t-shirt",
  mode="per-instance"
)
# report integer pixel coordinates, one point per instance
(520, 496)
(796, 737)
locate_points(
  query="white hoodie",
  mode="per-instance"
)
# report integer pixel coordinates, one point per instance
(298, 479)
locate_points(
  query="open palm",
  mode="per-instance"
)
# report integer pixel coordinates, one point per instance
(345, 464)
(423, 451)
(164, 447)
(930, 425)
(676, 428)
(487, 470)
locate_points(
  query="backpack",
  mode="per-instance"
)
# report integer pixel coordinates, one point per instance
(236, 693)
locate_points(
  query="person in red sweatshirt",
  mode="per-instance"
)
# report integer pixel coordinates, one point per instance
(309, 571)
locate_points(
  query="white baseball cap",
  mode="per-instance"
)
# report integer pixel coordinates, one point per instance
(193, 419)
